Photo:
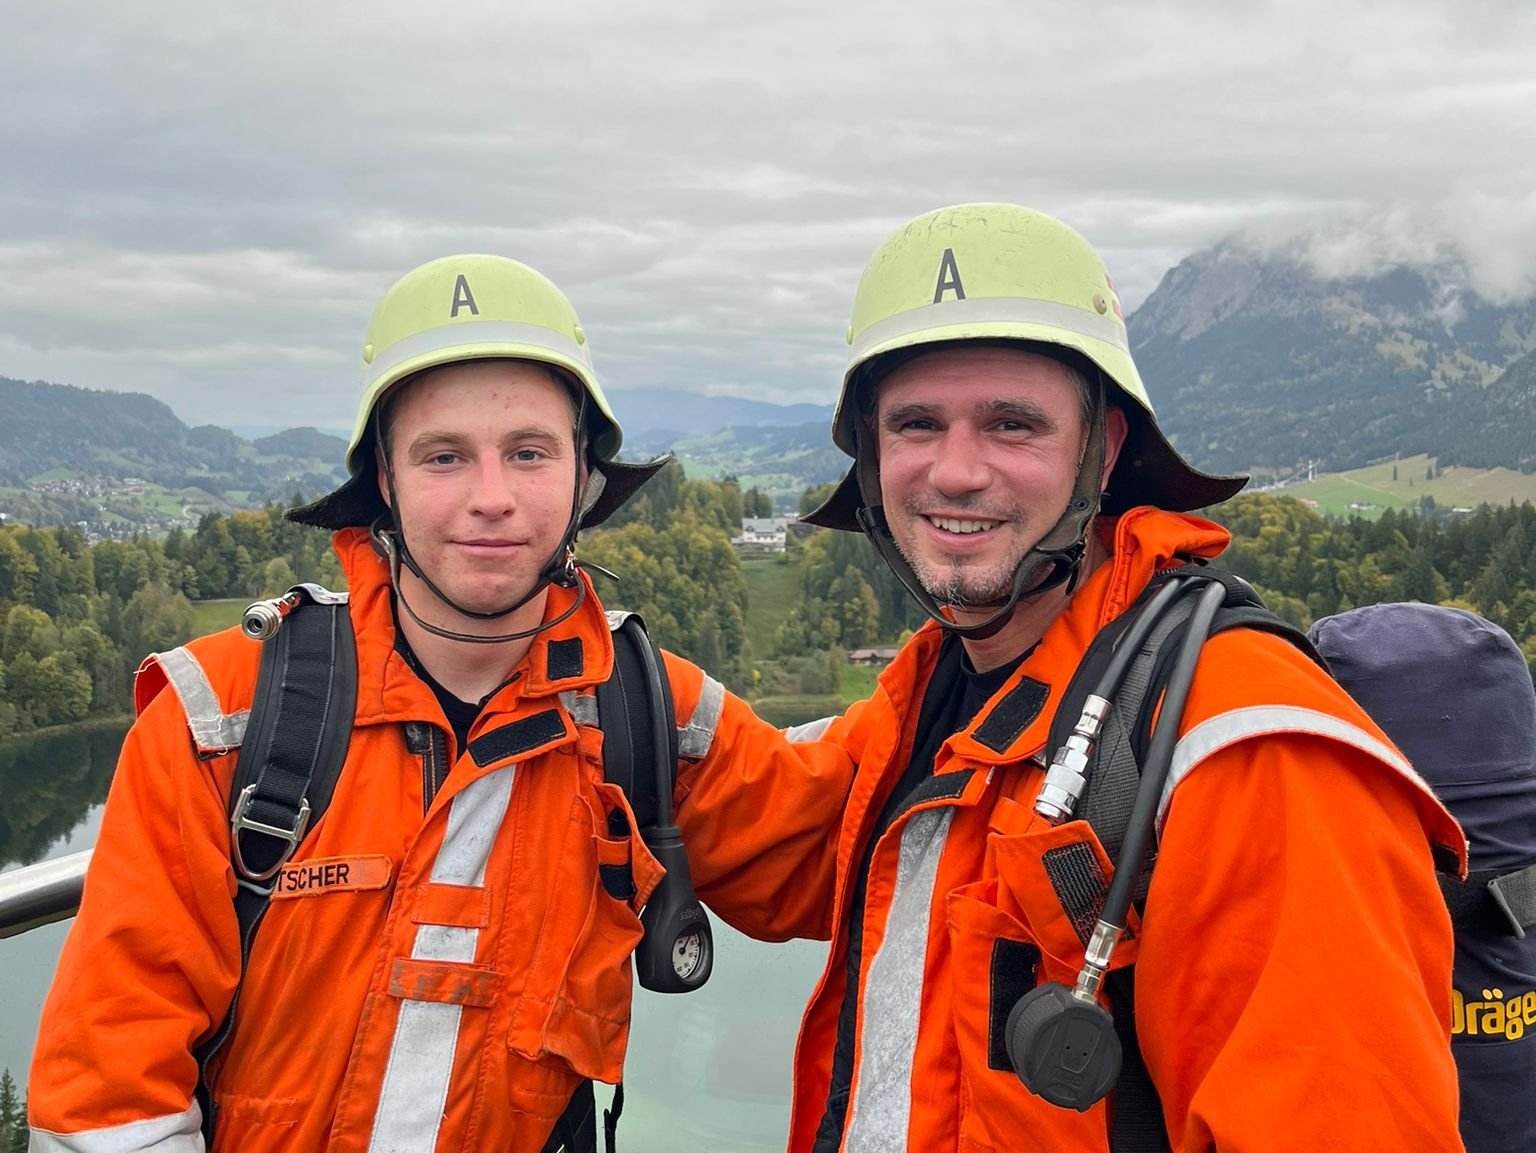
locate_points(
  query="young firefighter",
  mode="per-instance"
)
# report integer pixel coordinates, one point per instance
(445, 959)
(1293, 959)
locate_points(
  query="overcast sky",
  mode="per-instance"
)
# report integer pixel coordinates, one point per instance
(204, 201)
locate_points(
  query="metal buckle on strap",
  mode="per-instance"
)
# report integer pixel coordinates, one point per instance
(240, 823)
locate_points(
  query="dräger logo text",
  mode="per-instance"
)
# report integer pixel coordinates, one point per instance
(1494, 1016)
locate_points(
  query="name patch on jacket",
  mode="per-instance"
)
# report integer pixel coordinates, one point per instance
(331, 875)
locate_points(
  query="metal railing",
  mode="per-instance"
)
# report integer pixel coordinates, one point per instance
(41, 894)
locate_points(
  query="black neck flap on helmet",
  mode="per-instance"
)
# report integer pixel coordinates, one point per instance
(388, 536)
(1055, 560)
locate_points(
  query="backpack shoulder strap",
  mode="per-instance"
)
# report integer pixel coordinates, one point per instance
(633, 751)
(625, 712)
(295, 739)
(295, 744)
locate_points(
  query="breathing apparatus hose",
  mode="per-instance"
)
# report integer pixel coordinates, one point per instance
(1061, 1042)
(1154, 777)
(1067, 775)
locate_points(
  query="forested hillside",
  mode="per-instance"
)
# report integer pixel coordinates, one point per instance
(76, 619)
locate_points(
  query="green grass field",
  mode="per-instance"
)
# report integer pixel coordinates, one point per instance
(772, 590)
(1374, 485)
(855, 682)
(211, 616)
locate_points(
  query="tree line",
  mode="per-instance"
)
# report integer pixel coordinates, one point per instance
(1303, 564)
(1307, 566)
(76, 618)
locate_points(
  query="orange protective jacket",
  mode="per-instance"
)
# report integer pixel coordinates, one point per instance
(1293, 967)
(433, 972)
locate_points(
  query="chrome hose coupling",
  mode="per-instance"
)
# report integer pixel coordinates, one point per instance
(1067, 777)
(262, 619)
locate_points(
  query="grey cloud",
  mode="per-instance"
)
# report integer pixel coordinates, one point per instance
(203, 202)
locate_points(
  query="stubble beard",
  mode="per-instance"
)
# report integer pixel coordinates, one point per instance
(959, 583)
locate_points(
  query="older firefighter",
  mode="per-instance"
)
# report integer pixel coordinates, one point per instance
(1292, 959)
(446, 958)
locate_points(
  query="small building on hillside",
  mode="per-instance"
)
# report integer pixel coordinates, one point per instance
(874, 657)
(761, 534)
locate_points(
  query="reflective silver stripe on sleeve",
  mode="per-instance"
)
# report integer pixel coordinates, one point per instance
(415, 1089)
(469, 333)
(893, 994)
(990, 310)
(581, 706)
(176, 1133)
(810, 731)
(695, 738)
(1212, 736)
(213, 730)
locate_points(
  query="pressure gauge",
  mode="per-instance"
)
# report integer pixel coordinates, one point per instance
(689, 952)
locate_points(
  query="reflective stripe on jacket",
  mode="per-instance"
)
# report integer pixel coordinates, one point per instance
(1293, 970)
(428, 976)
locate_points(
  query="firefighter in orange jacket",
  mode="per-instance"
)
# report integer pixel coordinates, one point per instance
(1292, 962)
(446, 957)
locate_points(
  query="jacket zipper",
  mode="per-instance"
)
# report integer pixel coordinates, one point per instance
(427, 742)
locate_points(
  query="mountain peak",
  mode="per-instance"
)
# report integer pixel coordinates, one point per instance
(1269, 356)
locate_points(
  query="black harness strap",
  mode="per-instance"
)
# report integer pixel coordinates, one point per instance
(1135, 1110)
(1494, 903)
(295, 744)
(296, 738)
(629, 754)
(624, 715)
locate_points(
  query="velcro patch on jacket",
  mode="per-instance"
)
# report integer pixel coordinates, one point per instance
(564, 659)
(1012, 715)
(1015, 965)
(1076, 875)
(444, 982)
(332, 875)
(518, 737)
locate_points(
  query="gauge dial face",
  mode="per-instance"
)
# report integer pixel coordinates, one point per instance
(687, 954)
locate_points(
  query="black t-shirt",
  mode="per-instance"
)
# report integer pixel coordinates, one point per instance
(954, 696)
(461, 714)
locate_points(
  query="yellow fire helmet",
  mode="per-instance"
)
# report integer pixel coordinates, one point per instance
(1004, 273)
(475, 307)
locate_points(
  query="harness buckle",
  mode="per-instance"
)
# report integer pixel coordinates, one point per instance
(240, 823)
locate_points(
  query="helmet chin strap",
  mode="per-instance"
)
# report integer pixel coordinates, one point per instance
(559, 569)
(1055, 560)
(391, 542)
